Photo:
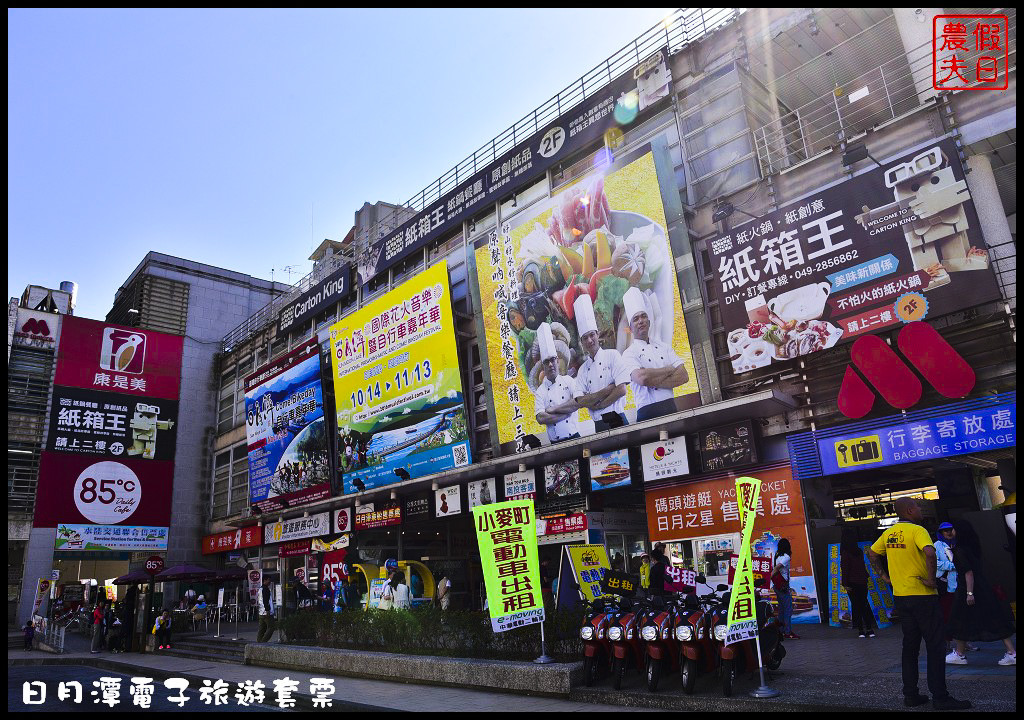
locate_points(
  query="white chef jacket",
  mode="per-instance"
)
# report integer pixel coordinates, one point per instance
(646, 355)
(556, 393)
(604, 369)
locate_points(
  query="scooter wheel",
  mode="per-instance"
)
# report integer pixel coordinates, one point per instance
(728, 675)
(653, 674)
(775, 658)
(688, 674)
(589, 671)
(618, 672)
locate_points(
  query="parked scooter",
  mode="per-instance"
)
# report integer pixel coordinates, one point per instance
(623, 631)
(597, 649)
(661, 648)
(742, 656)
(697, 653)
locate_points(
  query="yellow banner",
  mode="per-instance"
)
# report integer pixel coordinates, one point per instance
(397, 386)
(507, 535)
(589, 564)
(742, 622)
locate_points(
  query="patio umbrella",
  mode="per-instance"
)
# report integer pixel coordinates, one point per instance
(184, 573)
(135, 577)
(229, 575)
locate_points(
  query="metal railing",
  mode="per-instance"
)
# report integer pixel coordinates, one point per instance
(884, 93)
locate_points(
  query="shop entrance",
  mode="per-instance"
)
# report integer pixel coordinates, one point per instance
(712, 555)
(624, 551)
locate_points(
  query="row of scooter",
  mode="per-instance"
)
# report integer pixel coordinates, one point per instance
(679, 633)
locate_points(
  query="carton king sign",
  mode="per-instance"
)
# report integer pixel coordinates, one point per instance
(240, 539)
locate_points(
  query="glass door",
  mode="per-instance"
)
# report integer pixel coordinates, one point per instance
(712, 556)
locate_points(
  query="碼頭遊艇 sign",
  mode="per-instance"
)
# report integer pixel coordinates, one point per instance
(890, 246)
(397, 387)
(286, 431)
(989, 428)
(622, 102)
(507, 535)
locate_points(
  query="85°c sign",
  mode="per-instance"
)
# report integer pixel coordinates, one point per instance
(107, 493)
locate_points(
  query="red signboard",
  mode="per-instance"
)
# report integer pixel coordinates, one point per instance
(77, 489)
(577, 522)
(99, 356)
(240, 539)
(761, 568)
(378, 518)
(295, 548)
(334, 567)
(154, 564)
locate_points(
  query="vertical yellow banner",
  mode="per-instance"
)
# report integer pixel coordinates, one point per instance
(742, 623)
(507, 535)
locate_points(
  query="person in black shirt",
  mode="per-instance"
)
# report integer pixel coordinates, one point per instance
(658, 572)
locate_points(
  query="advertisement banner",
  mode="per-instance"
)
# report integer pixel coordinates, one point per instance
(589, 565)
(82, 490)
(562, 479)
(665, 459)
(879, 594)
(99, 356)
(297, 528)
(623, 102)
(110, 537)
(610, 470)
(989, 428)
(334, 567)
(106, 424)
(42, 595)
(482, 492)
(574, 523)
(255, 578)
(366, 518)
(521, 485)
(742, 618)
(679, 579)
(761, 569)
(321, 545)
(36, 329)
(893, 245)
(507, 535)
(295, 548)
(231, 540)
(416, 507)
(727, 446)
(559, 283)
(323, 295)
(397, 385)
(448, 501)
(343, 520)
(286, 432)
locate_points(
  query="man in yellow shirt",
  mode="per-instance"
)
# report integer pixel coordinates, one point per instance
(911, 559)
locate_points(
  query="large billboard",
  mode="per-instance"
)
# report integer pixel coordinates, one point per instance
(397, 385)
(587, 278)
(894, 245)
(625, 101)
(287, 431)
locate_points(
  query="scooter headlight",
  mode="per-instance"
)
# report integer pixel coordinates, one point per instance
(720, 632)
(587, 633)
(684, 633)
(615, 634)
(649, 633)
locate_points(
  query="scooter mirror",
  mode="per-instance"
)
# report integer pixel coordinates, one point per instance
(701, 579)
(758, 582)
(722, 587)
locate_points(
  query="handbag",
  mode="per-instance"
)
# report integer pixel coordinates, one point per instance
(779, 582)
(387, 599)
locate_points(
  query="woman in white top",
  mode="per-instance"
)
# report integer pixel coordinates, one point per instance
(780, 579)
(401, 597)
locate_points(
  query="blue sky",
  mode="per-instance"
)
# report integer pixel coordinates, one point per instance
(242, 138)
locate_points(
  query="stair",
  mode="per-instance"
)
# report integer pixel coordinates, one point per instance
(208, 648)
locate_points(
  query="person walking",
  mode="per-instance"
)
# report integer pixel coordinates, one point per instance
(854, 579)
(645, 572)
(443, 598)
(97, 628)
(162, 630)
(977, 614)
(547, 592)
(658, 572)
(780, 581)
(30, 633)
(265, 601)
(911, 571)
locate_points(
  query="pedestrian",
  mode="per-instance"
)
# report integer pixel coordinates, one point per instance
(783, 593)
(546, 581)
(30, 633)
(911, 571)
(401, 595)
(115, 635)
(162, 630)
(443, 598)
(387, 595)
(190, 597)
(945, 574)
(645, 572)
(97, 628)
(657, 583)
(977, 614)
(265, 601)
(854, 579)
(415, 584)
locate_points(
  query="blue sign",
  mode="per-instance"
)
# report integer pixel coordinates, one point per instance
(865, 272)
(979, 430)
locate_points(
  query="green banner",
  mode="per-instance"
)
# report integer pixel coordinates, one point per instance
(742, 622)
(507, 534)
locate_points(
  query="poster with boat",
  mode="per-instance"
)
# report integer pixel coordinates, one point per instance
(609, 470)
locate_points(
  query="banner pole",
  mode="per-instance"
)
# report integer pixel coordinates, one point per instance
(764, 691)
(544, 659)
(238, 611)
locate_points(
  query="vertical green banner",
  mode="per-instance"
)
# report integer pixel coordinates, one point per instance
(742, 622)
(507, 535)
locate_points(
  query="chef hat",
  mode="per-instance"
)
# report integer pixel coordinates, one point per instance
(634, 303)
(583, 308)
(546, 341)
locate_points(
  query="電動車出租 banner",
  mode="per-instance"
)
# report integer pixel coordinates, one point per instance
(507, 535)
(397, 386)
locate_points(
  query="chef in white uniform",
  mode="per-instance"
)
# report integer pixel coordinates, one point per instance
(601, 380)
(553, 402)
(654, 367)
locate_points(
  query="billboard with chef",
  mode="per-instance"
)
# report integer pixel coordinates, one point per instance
(893, 245)
(581, 310)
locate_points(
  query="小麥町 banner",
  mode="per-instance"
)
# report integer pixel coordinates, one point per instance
(581, 310)
(286, 431)
(507, 535)
(397, 386)
(891, 246)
